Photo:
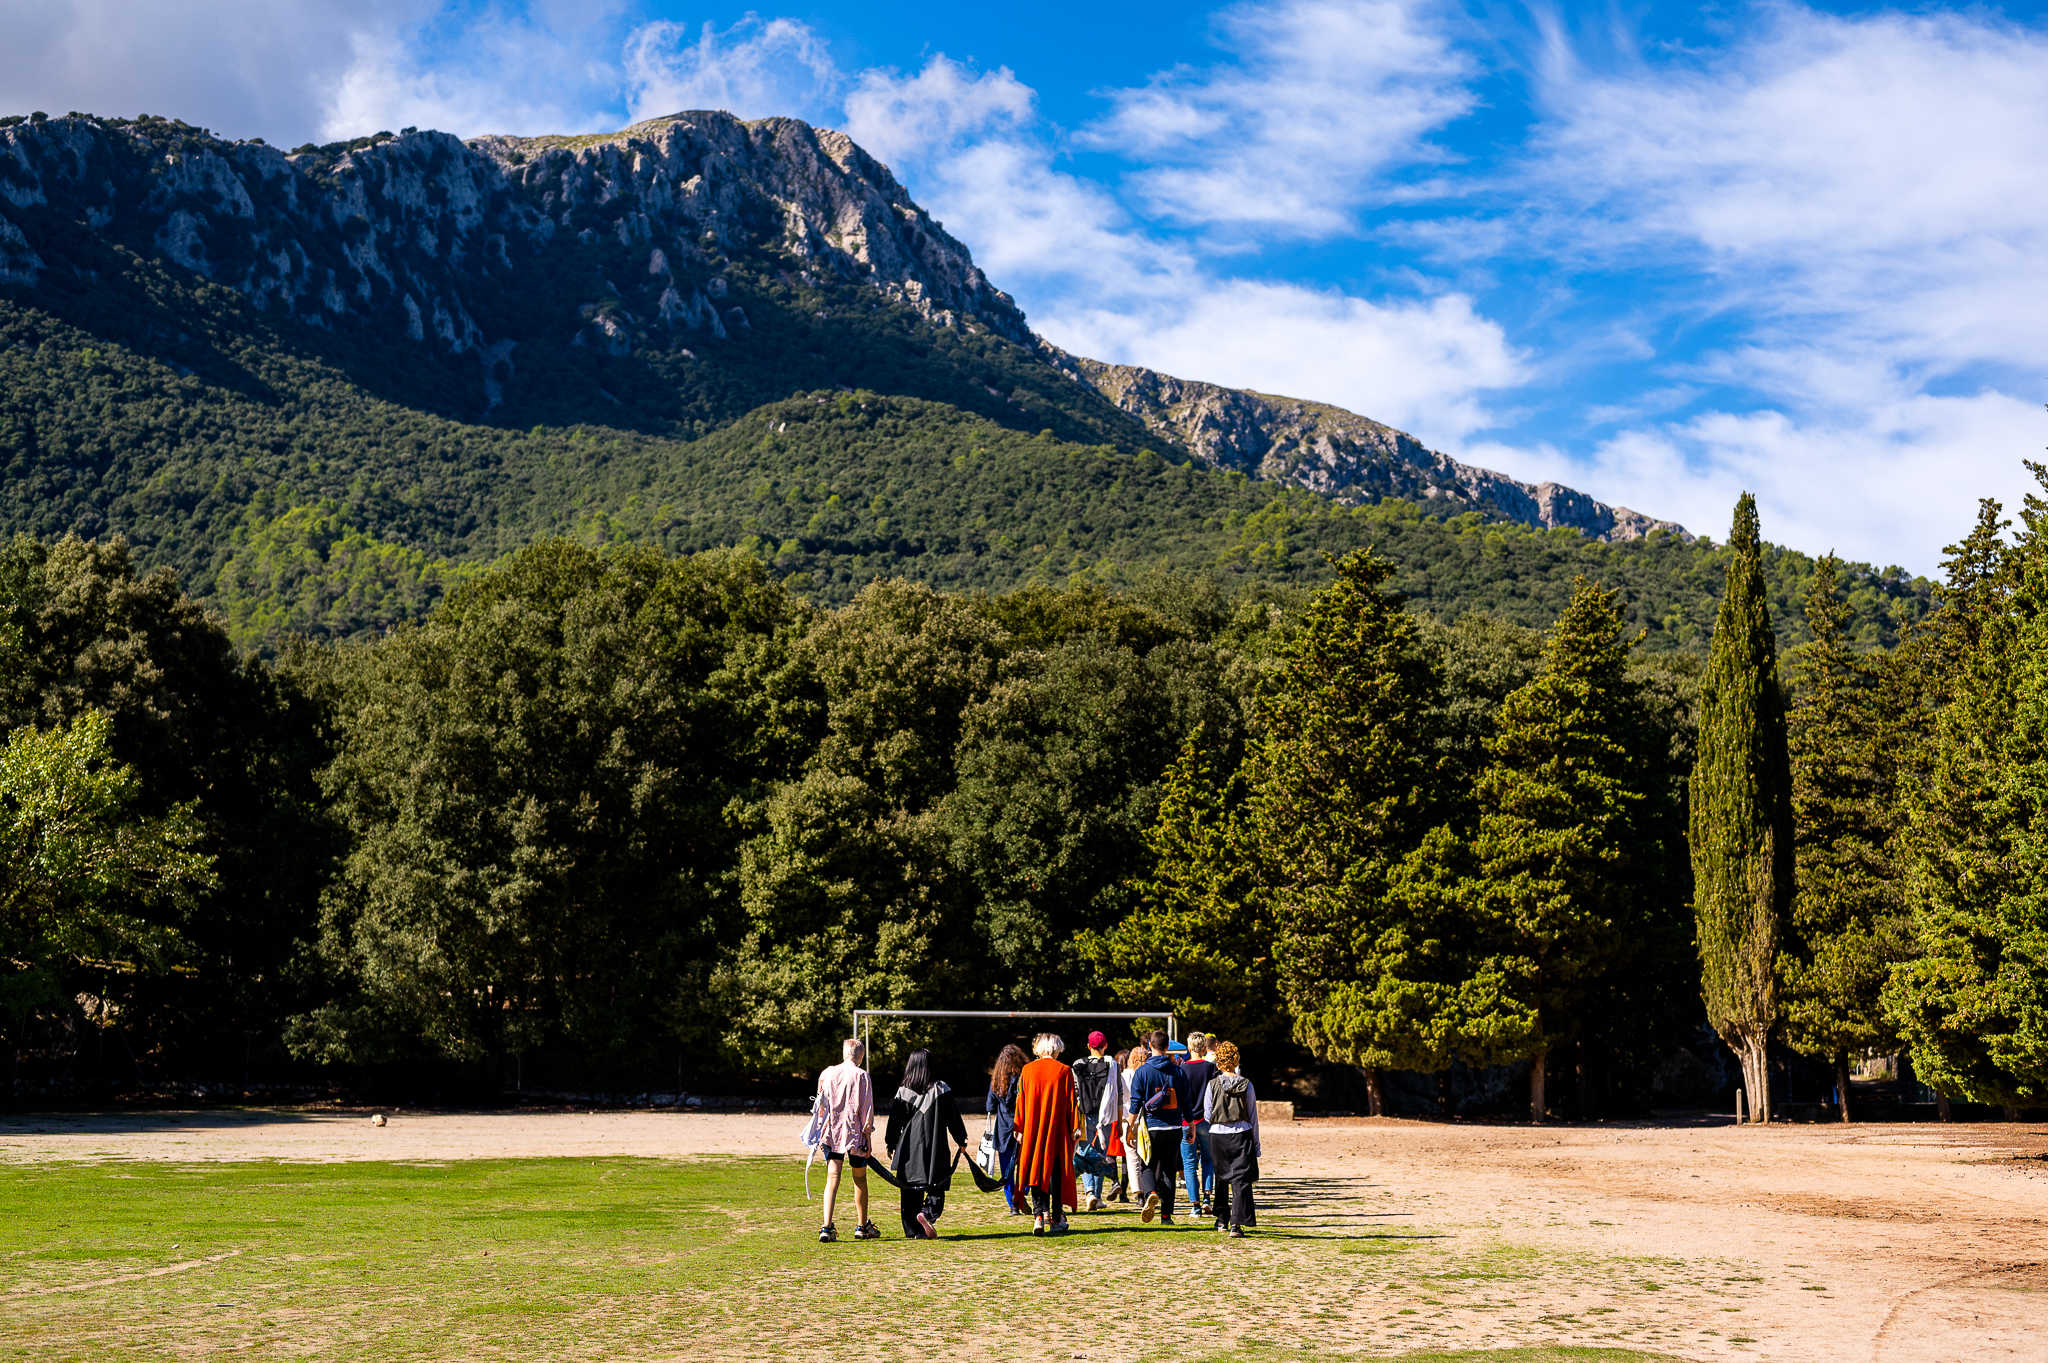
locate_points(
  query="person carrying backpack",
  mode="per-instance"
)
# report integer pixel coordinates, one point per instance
(1155, 1101)
(1094, 1076)
(1232, 1110)
(921, 1116)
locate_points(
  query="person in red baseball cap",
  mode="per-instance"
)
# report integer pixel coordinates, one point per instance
(1094, 1080)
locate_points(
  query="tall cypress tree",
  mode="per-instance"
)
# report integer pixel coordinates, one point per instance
(1556, 827)
(1741, 817)
(1847, 916)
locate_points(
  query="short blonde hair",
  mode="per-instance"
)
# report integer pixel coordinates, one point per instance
(1226, 1055)
(1046, 1045)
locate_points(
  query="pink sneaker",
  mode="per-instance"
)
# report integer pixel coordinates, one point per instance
(931, 1232)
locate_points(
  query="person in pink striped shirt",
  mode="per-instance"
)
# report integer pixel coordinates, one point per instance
(847, 1099)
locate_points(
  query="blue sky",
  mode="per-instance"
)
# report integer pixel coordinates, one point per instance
(1661, 253)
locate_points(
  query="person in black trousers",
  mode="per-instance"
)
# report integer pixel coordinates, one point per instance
(921, 1116)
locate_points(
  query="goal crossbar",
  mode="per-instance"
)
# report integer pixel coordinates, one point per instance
(862, 1017)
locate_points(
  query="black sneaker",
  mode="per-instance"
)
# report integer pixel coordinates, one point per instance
(1237, 1232)
(1166, 1218)
(827, 1235)
(867, 1230)
(1221, 1224)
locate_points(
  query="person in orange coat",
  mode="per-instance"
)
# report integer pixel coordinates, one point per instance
(1047, 1126)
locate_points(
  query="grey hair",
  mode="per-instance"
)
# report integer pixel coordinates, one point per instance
(853, 1048)
(1047, 1044)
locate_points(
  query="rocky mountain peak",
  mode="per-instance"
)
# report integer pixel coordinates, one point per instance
(1341, 454)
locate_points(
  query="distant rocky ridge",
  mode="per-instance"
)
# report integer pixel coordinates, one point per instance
(427, 229)
(462, 247)
(1341, 454)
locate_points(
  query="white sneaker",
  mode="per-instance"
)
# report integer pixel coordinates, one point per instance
(1094, 1203)
(1151, 1208)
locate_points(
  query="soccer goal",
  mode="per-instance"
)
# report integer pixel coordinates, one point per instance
(862, 1017)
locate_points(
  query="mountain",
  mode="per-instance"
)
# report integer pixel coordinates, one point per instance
(1346, 456)
(321, 383)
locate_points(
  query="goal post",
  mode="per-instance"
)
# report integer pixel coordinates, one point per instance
(863, 1017)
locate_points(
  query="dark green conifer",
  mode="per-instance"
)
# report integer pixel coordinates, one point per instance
(1846, 925)
(1972, 1002)
(1741, 817)
(1556, 838)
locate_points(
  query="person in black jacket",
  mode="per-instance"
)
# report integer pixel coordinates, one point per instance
(921, 1116)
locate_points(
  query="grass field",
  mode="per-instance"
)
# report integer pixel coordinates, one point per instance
(710, 1258)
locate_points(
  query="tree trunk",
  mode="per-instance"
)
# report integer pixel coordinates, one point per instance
(2012, 1112)
(1443, 1094)
(1942, 1110)
(1375, 1098)
(1842, 1081)
(1756, 1077)
(1537, 1074)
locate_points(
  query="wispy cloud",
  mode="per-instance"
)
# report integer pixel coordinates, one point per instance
(1318, 101)
(754, 68)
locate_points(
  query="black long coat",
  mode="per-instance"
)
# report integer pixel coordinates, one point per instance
(916, 1136)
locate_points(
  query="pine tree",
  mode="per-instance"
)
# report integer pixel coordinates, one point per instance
(1847, 916)
(1556, 831)
(1972, 1002)
(1198, 939)
(1741, 817)
(1366, 887)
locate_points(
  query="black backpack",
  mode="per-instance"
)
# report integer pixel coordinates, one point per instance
(1091, 1077)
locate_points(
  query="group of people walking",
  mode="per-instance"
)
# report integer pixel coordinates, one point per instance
(1149, 1121)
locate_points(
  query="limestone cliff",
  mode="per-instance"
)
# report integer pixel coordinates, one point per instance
(1339, 453)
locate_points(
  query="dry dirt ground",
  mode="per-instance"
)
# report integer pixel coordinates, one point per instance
(1892, 1244)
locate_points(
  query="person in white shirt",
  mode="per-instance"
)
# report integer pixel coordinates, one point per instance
(846, 1097)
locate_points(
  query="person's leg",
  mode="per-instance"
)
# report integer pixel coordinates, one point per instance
(860, 1190)
(1191, 1175)
(934, 1206)
(832, 1168)
(1208, 1159)
(1242, 1212)
(1165, 1169)
(909, 1202)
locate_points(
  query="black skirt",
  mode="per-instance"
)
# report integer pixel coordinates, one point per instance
(1232, 1151)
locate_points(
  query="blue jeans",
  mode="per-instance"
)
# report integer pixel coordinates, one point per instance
(1198, 1170)
(1094, 1135)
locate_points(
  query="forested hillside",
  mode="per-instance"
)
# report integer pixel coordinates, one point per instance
(323, 387)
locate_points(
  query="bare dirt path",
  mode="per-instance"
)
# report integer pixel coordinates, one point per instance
(1885, 1244)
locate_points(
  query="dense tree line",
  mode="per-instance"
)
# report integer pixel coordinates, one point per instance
(621, 812)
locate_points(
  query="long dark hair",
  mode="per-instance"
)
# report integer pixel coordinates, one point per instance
(917, 1071)
(1009, 1064)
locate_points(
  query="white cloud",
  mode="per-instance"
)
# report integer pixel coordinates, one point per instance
(754, 68)
(1321, 99)
(1892, 484)
(1862, 199)
(1422, 365)
(1868, 188)
(934, 111)
(242, 67)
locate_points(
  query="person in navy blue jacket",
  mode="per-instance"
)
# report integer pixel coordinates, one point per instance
(1155, 1097)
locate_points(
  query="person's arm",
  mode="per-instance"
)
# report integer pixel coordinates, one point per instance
(897, 1111)
(1202, 1108)
(953, 1122)
(865, 1116)
(1251, 1103)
